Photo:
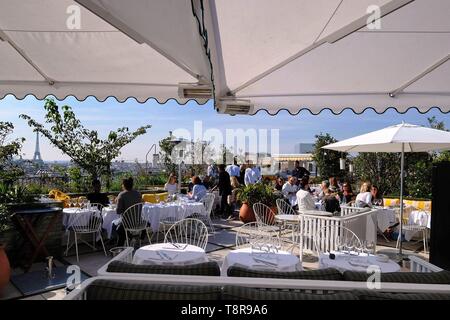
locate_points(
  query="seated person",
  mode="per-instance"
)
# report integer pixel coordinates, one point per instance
(347, 195)
(364, 197)
(334, 186)
(305, 200)
(198, 189)
(127, 198)
(325, 187)
(331, 204)
(171, 186)
(191, 184)
(377, 198)
(305, 182)
(207, 182)
(290, 189)
(279, 182)
(96, 196)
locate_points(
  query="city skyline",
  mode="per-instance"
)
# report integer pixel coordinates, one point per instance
(110, 115)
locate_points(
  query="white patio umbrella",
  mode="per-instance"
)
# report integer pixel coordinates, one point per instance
(399, 138)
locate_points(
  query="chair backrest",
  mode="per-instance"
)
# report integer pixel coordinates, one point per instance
(333, 237)
(263, 214)
(284, 207)
(132, 218)
(208, 202)
(253, 234)
(189, 231)
(87, 221)
(246, 233)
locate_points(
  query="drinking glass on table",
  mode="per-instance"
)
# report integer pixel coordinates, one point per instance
(371, 247)
(352, 247)
(339, 245)
(365, 250)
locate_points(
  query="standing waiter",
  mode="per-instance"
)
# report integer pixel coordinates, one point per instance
(224, 191)
(299, 172)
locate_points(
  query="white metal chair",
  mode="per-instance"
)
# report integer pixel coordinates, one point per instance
(413, 227)
(252, 234)
(188, 231)
(86, 222)
(245, 233)
(134, 223)
(208, 202)
(333, 237)
(167, 222)
(265, 217)
(284, 207)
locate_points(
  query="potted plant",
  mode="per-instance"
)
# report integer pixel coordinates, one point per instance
(254, 193)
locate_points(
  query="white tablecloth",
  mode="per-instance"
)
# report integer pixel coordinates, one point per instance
(385, 218)
(288, 218)
(154, 213)
(70, 214)
(316, 212)
(109, 215)
(245, 257)
(417, 217)
(341, 262)
(167, 254)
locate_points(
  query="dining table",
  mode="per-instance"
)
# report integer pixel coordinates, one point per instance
(170, 254)
(258, 259)
(354, 262)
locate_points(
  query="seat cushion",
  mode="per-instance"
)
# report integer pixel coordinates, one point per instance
(376, 295)
(200, 269)
(245, 293)
(441, 277)
(321, 274)
(119, 290)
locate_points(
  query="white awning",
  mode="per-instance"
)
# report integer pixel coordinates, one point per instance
(319, 54)
(60, 48)
(253, 54)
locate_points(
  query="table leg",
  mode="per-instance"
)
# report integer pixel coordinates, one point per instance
(41, 242)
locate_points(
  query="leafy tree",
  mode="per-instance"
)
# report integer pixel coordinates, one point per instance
(380, 168)
(9, 171)
(83, 146)
(166, 147)
(327, 161)
(418, 177)
(77, 182)
(440, 125)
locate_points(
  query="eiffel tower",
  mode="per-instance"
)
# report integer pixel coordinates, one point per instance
(37, 152)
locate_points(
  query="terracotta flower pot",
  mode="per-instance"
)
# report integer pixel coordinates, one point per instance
(5, 270)
(246, 214)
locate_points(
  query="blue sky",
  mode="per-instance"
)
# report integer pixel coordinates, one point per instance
(110, 115)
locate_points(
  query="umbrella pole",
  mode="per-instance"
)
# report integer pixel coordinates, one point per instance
(402, 165)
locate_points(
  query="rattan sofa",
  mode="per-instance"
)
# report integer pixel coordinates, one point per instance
(119, 279)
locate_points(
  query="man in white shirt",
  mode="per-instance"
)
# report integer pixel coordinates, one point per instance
(212, 171)
(257, 173)
(305, 200)
(233, 170)
(290, 189)
(250, 177)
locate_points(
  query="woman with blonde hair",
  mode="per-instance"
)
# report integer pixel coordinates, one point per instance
(171, 185)
(364, 197)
